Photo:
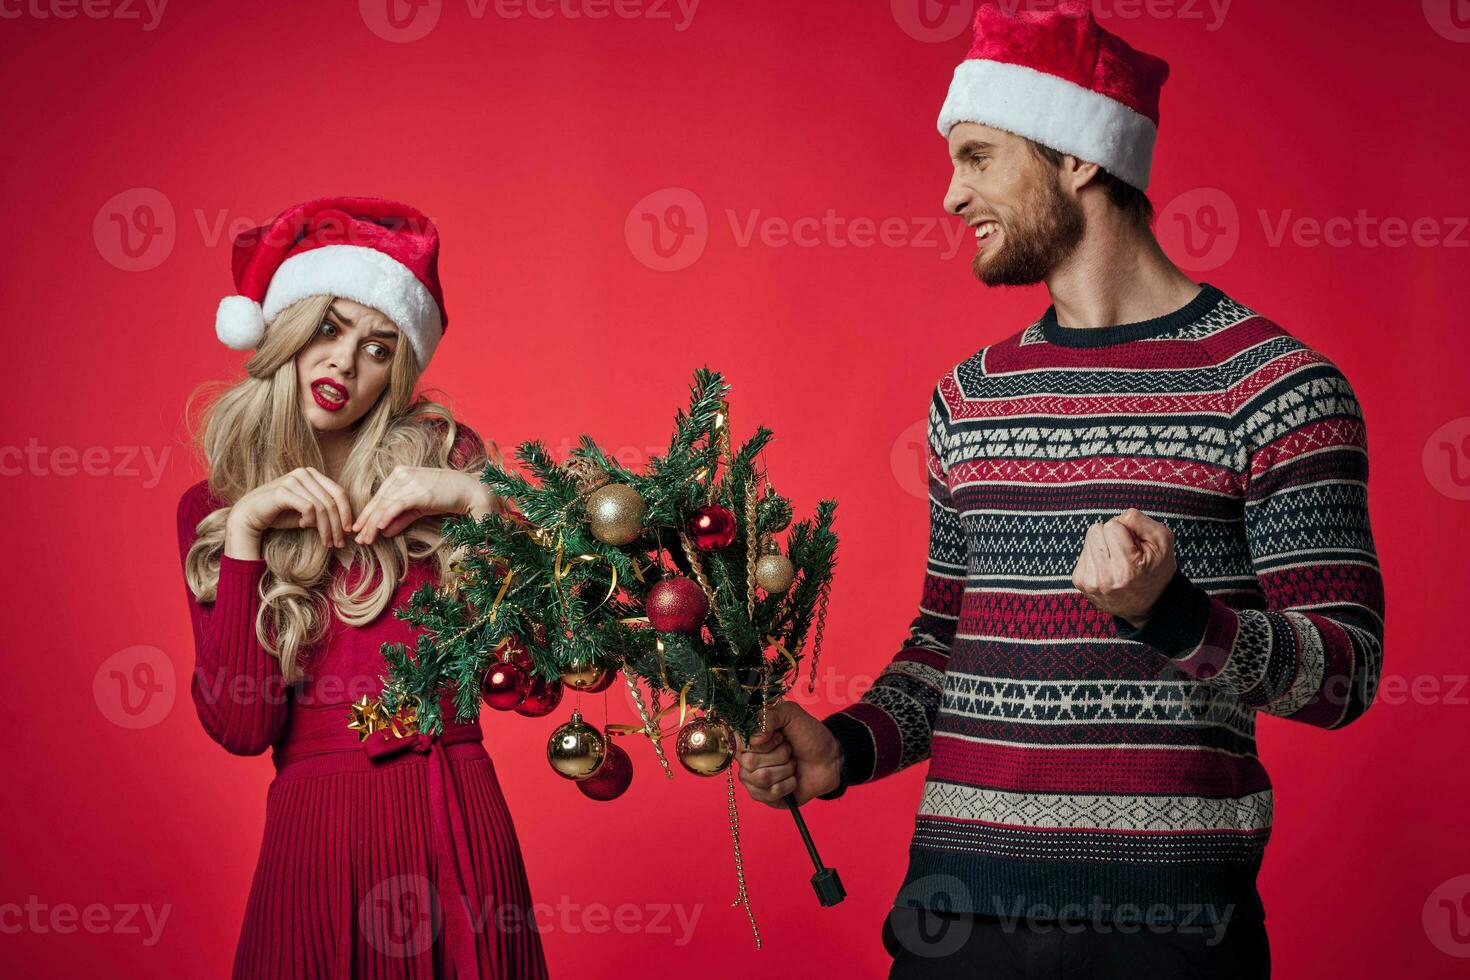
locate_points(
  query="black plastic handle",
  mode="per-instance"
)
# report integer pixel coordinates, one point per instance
(825, 882)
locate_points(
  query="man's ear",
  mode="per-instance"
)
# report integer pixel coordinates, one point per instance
(1078, 173)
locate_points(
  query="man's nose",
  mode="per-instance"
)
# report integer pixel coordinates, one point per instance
(957, 197)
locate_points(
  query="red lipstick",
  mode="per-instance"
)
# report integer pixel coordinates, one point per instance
(333, 399)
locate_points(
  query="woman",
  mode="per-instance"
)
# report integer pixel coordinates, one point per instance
(328, 480)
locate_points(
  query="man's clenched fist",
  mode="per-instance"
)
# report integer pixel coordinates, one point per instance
(1125, 564)
(797, 754)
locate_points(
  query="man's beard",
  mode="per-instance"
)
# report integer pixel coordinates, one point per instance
(1044, 231)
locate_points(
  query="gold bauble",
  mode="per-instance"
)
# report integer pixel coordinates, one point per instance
(705, 747)
(774, 573)
(615, 514)
(576, 749)
(588, 678)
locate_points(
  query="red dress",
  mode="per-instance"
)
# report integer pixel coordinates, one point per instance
(386, 858)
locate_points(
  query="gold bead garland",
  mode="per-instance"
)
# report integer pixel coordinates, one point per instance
(742, 896)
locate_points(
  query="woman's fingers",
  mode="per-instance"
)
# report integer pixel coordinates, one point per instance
(338, 495)
(319, 510)
(381, 509)
(296, 505)
(326, 493)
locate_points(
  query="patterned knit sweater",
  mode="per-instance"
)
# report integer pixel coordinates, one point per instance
(1078, 767)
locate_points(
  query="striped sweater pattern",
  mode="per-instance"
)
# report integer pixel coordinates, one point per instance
(1079, 766)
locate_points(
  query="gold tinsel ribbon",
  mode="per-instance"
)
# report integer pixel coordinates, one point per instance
(367, 715)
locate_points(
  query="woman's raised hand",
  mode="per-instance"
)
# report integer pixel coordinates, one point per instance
(302, 498)
(411, 492)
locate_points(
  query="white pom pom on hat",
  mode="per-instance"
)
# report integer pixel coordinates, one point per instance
(239, 322)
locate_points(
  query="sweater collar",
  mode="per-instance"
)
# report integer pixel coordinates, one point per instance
(1209, 297)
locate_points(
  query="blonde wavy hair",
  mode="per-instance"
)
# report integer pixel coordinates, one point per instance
(255, 432)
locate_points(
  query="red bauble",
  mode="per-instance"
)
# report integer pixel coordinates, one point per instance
(712, 528)
(612, 778)
(542, 697)
(676, 605)
(505, 686)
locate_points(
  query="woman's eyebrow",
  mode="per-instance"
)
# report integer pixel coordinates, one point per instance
(347, 321)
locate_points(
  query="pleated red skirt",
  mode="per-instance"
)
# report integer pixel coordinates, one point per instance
(363, 873)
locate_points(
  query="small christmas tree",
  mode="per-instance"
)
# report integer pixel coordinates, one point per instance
(569, 577)
(673, 577)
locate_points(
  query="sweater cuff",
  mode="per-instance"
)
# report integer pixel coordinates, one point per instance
(239, 580)
(858, 753)
(229, 565)
(1176, 625)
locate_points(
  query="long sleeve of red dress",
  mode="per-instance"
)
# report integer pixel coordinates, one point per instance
(237, 686)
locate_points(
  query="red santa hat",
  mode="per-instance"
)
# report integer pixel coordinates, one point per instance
(378, 253)
(1058, 78)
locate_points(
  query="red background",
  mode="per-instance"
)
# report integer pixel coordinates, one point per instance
(531, 140)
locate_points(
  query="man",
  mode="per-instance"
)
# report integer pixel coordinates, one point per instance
(1148, 523)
